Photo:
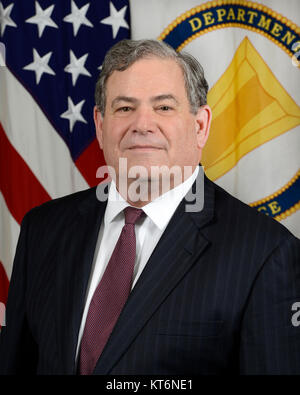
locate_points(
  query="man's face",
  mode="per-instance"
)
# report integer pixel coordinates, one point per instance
(147, 118)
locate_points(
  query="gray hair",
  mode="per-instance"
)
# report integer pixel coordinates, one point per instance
(126, 52)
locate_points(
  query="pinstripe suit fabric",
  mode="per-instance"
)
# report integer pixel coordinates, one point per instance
(214, 298)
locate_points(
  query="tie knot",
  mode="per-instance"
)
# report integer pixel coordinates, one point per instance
(132, 214)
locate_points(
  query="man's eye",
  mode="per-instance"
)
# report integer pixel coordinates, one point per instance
(165, 108)
(124, 109)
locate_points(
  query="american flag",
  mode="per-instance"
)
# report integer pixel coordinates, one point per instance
(54, 51)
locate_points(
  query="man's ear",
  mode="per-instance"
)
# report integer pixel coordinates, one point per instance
(203, 120)
(98, 120)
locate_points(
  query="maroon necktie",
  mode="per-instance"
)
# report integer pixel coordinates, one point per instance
(110, 295)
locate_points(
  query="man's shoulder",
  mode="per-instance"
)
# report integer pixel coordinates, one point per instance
(246, 218)
(63, 207)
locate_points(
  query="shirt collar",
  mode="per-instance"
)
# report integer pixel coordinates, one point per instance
(159, 210)
(115, 204)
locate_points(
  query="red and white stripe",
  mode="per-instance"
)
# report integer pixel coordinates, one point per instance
(35, 166)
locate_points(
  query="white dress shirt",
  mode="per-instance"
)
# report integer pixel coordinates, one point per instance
(148, 232)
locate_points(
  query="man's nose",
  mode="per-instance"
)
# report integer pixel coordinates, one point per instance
(144, 121)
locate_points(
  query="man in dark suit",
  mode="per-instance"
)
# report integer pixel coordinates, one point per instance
(213, 285)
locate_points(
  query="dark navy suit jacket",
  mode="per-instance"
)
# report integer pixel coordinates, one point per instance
(215, 297)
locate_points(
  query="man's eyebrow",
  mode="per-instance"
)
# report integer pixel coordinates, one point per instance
(167, 96)
(126, 99)
(133, 100)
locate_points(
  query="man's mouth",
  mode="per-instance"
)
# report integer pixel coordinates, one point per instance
(144, 147)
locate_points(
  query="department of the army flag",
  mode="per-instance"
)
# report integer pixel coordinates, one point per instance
(250, 54)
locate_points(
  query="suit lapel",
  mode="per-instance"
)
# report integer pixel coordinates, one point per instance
(177, 251)
(77, 247)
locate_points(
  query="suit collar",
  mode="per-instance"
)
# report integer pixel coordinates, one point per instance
(206, 201)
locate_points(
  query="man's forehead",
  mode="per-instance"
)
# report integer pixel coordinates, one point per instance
(144, 63)
(148, 72)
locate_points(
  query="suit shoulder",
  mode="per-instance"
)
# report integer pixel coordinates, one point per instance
(248, 218)
(61, 206)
